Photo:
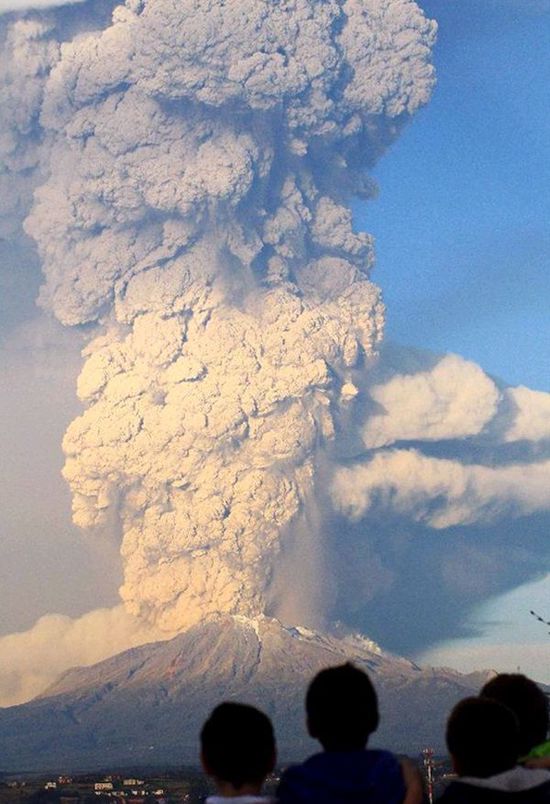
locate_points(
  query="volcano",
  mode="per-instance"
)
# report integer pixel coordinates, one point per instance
(146, 706)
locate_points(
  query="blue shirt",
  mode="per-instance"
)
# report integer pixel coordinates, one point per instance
(349, 777)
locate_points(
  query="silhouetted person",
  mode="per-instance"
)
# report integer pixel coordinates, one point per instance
(529, 704)
(238, 751)
(483, 740)
(342, 713)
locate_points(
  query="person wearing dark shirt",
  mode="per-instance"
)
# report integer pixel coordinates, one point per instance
(483, 739)
(238, 751)
(530, 705)
(342, 713)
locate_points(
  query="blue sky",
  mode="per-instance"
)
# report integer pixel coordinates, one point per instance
(463, 245)
(461, 222)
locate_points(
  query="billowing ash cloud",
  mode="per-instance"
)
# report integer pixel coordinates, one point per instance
(28, 50)
(192, 203)
(192, 165)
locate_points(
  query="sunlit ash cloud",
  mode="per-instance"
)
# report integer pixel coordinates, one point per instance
(197, 166)
(191, 166)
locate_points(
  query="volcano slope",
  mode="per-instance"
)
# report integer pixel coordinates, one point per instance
(146, 706)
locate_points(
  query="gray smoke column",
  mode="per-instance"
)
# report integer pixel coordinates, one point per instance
(198, 159)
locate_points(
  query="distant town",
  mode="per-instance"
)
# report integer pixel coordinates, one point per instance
(187, 785)
(150, 786)
(168, 787)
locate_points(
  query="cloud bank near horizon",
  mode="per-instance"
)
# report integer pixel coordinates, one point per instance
(32, 660)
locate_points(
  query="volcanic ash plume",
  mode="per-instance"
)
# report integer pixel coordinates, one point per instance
(28, 50)
(199, 159)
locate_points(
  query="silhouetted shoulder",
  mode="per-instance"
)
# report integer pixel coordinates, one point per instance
(518, 786)
(346, 777)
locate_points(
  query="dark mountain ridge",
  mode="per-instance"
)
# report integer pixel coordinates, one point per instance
(146, 705)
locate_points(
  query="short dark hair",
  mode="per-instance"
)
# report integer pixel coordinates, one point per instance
(527, 701)
(482, 737)
(342, 708)
(238, 744)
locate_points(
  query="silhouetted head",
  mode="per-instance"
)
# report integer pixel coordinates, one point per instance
(238, 745)
(342, 708)
(482, 737)
(527, 701)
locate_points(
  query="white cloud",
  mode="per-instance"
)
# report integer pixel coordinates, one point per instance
(439, 492)
(531, 417)
(25, 5)
(453, 400)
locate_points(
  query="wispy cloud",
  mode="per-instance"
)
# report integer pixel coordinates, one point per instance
(27, 5)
